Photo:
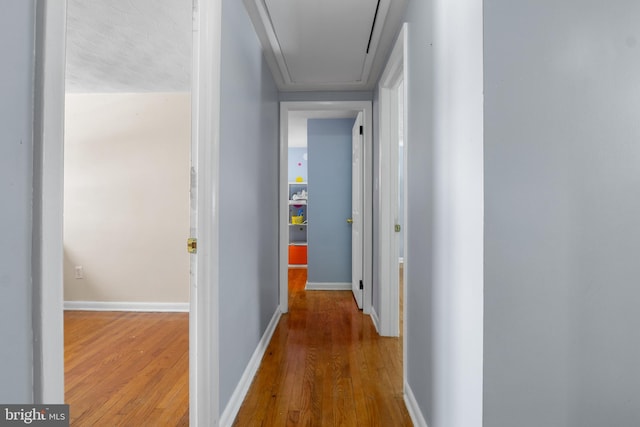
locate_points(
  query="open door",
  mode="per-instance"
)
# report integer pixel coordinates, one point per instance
(356, 210)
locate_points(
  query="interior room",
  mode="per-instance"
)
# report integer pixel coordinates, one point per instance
(127, 150)
(520, 232)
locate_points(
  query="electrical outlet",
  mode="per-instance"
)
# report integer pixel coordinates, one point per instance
(79, 272)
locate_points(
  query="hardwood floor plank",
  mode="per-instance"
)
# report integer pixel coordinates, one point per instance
(127, 369)
(326, 366)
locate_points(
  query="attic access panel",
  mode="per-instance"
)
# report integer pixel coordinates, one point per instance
(324, 41)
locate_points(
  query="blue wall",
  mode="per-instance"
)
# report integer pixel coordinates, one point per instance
(329, 235)
(297, 163)
(249, 148)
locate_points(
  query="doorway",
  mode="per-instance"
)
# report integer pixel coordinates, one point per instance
(326, 110)
(48, 218)
(126, 193)
(393, 115)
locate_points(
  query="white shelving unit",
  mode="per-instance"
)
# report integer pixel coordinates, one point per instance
(298, 197)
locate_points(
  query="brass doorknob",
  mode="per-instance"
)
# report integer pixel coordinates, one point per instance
(349, 220)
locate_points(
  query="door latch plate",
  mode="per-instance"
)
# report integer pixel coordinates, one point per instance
(192, 245)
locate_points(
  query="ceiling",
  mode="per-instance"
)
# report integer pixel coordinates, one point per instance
(328, 44)
(145, 45)
(128, 46)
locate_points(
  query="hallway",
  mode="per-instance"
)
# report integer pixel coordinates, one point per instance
(326, 366)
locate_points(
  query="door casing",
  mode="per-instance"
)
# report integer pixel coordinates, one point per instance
(48, 205)
(393, 75)
(367, 209)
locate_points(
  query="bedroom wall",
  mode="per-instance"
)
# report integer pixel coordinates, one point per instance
(298, 162)
(126, 197)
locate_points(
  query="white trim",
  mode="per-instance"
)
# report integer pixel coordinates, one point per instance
(458, 214)
(401, 259)
(48, 293)
(405, 263)
(412, 407)
(230, 412)
(328, 286)
(367, 218)
(375, 319)
(203, 319)
(182, 307)
(204, 375)
(394, 73)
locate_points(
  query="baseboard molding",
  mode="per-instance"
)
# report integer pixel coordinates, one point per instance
(412, 406)
(375, 319)
(328, 286)
(231, 411)
(182, 307)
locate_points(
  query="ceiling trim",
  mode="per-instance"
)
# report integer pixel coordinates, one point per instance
(270, 37)
(378, 24)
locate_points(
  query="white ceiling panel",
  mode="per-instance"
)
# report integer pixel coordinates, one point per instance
(322, 44)
(323, 41)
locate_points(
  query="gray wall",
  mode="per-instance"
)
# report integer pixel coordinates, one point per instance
(562, 239)
(17, 45)
(329, 235)
(248, 196)
(420, 209)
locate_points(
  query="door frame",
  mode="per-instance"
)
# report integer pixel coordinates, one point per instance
(48, 250)
(393, 74)
(367, 209)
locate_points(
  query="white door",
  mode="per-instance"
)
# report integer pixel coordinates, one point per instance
(356, 210)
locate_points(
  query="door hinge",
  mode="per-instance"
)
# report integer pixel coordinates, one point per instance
(361, 285)
(192, 245)
(398, 228)
(361, 130)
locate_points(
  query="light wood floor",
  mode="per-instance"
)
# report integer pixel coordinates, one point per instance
(326, 366)
(127, 369)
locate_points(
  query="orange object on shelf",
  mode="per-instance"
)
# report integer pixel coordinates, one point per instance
(297, 254)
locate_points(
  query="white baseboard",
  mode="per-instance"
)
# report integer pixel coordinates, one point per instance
(231, 411)
(412, 406)
(375, 319)
(328, 286)
(127, 306)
